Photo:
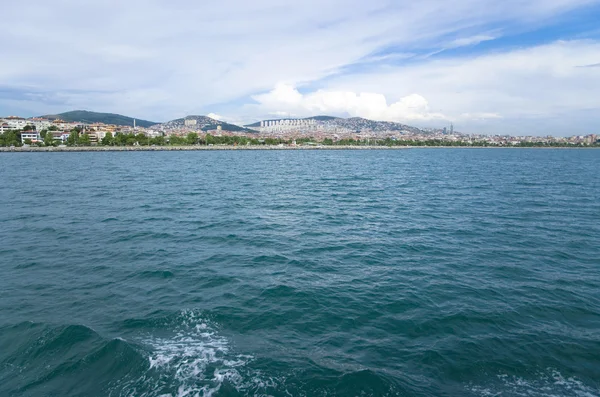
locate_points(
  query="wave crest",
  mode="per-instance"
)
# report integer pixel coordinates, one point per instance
(190, 359)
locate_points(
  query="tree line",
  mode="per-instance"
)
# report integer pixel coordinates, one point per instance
(78, 137)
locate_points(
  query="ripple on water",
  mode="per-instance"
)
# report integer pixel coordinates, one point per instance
(547, 383)
(415, 273)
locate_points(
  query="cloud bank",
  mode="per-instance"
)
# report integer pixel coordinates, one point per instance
(161, 60)
(532, 90)
(285, 99)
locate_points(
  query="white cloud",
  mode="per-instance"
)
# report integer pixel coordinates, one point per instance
(285, 99)
(473, 40)
(162, 60)
(215, 116)
(542, 86)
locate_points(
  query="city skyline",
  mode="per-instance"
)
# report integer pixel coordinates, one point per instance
(274, 125)
(312, 131)
(484, 67)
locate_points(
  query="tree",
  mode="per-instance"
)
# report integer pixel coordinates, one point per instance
(10, 138)
(158, 141)
(53, 128)
(48, 139)
(192, 138)
(27, 141)
(108, 139)
(130, 139)
(73, 138)
(176, 140)
(29, 128)
(84, 139)
(120, 139)
(141, 139)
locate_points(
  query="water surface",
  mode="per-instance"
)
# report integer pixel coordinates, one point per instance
(424, 272)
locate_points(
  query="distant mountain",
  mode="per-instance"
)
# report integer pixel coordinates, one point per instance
(355, 124)
(317, 118)
(84, 116)
(361, 124)
(203, 123)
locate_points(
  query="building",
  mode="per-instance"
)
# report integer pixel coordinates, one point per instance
(58, 136)
(4, 127)
(31, 135)
(16, 124)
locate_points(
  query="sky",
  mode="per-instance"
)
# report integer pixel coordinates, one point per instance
(494, 67)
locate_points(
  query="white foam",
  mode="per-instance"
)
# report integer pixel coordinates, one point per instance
(549, 383)
(195, 358)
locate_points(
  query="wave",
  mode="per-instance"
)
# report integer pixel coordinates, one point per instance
(548, 383)
(178, 355)
(155, 274)
(191, 359)
(40, 359)
(185, 354)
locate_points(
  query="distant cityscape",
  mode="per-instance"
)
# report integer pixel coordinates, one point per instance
(44, 131)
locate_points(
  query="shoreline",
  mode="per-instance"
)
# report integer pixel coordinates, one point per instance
(226, 147)
(187, 148)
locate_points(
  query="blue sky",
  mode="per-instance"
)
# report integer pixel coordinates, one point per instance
(491, 67)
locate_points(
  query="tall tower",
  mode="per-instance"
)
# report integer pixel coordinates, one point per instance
(134, 124)
(451, 128)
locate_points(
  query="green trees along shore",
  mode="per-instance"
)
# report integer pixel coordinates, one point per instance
(78, 137)
(10, 138)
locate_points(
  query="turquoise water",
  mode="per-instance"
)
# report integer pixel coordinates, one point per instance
(425, 272)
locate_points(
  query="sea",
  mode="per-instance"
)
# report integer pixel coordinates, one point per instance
(417, 272)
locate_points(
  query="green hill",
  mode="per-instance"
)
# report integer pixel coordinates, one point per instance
(84, 116)
(203, 123)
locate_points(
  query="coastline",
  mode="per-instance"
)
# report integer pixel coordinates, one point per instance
(187, 148)
(35, 149)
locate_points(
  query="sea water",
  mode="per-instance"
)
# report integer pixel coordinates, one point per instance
(421, 272)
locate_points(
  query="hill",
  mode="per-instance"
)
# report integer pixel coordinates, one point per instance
(203, 123)
(361, 124)
(355, 124)
(84, 116)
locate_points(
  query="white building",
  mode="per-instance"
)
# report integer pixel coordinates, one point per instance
(32, 135)
(5, 127)
(283, 125)
(16, 124)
